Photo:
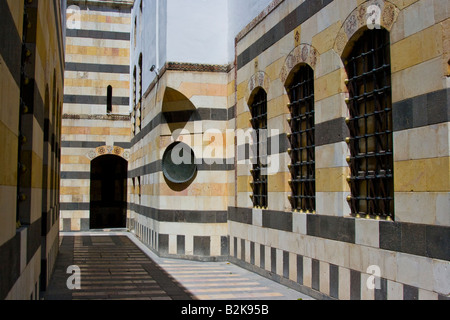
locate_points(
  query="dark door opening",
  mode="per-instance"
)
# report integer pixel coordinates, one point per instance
(108, 192)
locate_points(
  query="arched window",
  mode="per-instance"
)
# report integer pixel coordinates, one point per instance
(133, 113)
(139, 111)
(140, 78)
(135, 32)
(109, 100)
(258, 108)
(134, 88)
(302, 152)
(370, 124)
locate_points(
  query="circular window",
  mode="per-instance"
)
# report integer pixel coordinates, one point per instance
(178, 163)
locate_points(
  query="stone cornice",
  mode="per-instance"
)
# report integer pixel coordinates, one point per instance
(272, 6)
(112, 117)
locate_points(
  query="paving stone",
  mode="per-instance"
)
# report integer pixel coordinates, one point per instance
(127, 270)
(112, 267)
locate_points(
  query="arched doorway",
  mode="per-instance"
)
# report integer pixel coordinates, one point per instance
(108, 207)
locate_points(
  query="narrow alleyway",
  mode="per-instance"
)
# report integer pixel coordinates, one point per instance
(112, 266)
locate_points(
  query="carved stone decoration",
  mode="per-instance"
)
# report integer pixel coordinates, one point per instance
(104, 150)
(358, 19)
(92, 155)
(351, 25)
(101, 151)
(297, 36)
(389, 15)
(259, 79)
(304, 53)
(340, 42)
(117, 150)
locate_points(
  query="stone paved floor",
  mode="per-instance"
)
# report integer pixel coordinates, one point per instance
(117, 266)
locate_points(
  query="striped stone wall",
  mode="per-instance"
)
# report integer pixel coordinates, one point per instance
(330, 253)
(327, 253)
(97, 56)
(189, 220)
(31, 90)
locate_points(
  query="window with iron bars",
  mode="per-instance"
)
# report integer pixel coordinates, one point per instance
(302, 152)
(370, 124)
(258, 108)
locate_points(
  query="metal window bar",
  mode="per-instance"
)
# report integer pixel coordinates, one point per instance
(302, 139)
(370, 124)
(259, 123)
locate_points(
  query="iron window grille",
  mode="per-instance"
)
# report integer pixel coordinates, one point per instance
(140, 102)
(133, 114)
(370, 124)
(302, 139)
(258, 110)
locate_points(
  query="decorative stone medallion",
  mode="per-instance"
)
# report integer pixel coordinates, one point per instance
(104, 150)
(304, 53)
(259, 79)
(359, 18)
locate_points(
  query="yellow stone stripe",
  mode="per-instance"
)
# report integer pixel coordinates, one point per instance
(230, 87)
(101, 18)
(279, 182)
(424, 175)
(8, 160)
(74, 190)
(97, 51)
(96, 83)
(16, 9)
(190, 89)
(277, 107)
(324, 40)
(332, 179)
(96, 131)
(80, 58)
(243, 183)
(330, 84)
(35, 169)
(420, 47)
(243, 120)
(75, 160)
(241, 88)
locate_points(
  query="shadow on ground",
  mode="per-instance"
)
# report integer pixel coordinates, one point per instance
(111, 267)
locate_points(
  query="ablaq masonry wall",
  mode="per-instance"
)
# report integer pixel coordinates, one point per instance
(96, 120)
(356, 94)
(180, 101)
(176, 215)
(31, 88)
(336, 168)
